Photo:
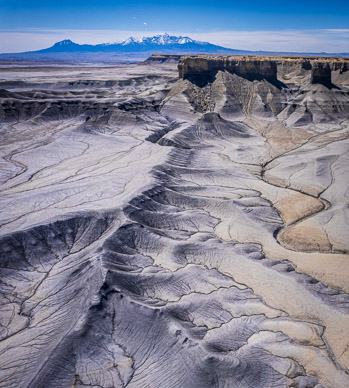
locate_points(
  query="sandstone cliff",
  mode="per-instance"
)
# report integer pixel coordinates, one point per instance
(248, 67)
(320, 73)
(163, 58)
(258, 67)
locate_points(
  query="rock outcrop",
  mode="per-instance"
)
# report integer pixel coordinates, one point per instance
(207, 67)
(321, 73)
(163, 58)
(204, 68)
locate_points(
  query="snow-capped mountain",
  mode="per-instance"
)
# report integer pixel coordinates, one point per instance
(66, 42)
(164, 39)
(163, 43)
(129, 41)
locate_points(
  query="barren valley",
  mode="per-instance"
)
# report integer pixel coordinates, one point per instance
(175, 227)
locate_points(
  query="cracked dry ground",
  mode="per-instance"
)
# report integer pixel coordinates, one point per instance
(155, 233)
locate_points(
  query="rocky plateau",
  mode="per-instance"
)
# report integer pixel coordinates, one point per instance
(175, 226)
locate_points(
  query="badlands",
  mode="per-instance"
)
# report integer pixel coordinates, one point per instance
(175, 227)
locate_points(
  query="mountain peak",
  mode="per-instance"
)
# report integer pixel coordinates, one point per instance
(130, 40)
(65, 42)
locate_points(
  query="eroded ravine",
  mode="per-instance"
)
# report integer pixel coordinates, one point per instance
(151, 260)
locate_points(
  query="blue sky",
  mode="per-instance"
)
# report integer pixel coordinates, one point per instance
(270, 25)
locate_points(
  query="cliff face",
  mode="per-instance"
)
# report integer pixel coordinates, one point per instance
(209, 66)
(320, 73)
(163, 58)
(205, 68)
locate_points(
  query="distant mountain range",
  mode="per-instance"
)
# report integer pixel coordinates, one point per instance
(133, 50)
(160, 43)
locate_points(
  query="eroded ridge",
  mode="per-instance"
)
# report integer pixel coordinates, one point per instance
(159, 232)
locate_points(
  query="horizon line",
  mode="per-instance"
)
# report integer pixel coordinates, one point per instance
(285, 40)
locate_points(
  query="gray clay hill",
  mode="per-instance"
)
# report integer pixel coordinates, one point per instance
(175, 226)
